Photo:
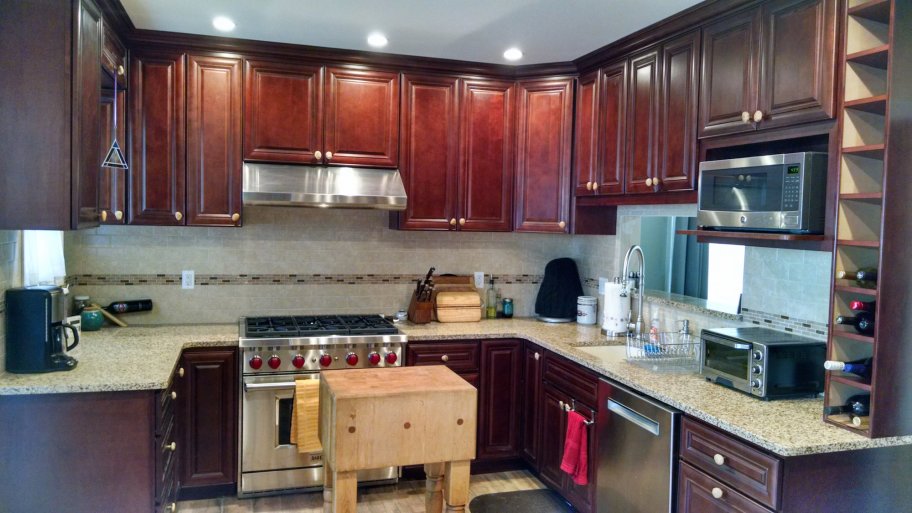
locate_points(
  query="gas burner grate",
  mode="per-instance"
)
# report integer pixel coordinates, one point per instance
(318, 325)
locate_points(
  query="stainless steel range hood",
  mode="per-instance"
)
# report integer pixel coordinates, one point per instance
(323, 186)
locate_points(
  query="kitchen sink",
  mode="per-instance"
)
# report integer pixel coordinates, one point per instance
(608, 353)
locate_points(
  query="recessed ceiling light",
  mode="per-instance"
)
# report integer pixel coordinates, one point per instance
(513, 54)
(223, 23)
(377, 40)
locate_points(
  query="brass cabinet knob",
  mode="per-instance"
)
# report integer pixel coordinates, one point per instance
(649, 182)
(445, 358)
(461, 221)
(562, 224)
(329, 155)
(104, 216)
(173, 395)
(537, 355)
(172, 446)
(235, 217)
(758, 116)
(595, 186)
(656, 181)
(588, 186)
(180, 372)
(717, 492)
(173, 507)
(745, 117)
(719, 459)
(453, 222)
(120, 70)
(178, 216)
(318, 154)
(118, 214)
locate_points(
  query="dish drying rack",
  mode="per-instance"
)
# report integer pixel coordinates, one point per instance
(667, 351)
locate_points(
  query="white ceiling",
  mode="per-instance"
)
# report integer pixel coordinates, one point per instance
(472, 30)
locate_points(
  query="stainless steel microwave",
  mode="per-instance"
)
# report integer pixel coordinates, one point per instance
(779, 193)
(762, 362)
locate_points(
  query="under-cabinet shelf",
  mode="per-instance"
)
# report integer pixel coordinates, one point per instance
(810, 242)
(751, 235)
(877, 57)
(875, 10)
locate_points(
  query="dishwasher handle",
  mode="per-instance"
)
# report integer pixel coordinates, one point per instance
(633, 416)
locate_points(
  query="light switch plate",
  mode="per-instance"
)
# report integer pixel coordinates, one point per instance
(602, 282)
(479, 280)
(188, 279)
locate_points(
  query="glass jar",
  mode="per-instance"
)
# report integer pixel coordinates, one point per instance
(508, 307)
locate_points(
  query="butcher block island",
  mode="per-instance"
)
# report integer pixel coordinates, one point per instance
(372, 418)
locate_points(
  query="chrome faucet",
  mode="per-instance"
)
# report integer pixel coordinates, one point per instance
(640, 285)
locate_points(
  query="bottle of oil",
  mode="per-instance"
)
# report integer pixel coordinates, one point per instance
(491, 301)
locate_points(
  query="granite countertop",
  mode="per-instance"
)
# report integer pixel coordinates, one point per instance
(143, 358)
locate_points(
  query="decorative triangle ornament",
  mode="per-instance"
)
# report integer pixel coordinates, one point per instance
(115, 157)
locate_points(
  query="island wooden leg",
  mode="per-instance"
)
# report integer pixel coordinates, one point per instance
(456, 486)
(327, 489)
(345, 493)
(433, 502)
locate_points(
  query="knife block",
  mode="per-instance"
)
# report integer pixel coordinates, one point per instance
(420, 312)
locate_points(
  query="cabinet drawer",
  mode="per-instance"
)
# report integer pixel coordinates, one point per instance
(750, 471)
(458, 356)
(696, 495)
(571, 378)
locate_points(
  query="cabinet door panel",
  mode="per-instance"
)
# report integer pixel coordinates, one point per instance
(730, 74)
(486, 155)
(362, 118)
(587, 133)
(87, 124)
(553, 432)
(112, 182)
(797, 69)
(532, 358)
(499, 399)
(613, 108)
(678, 114)
(283, 112)
(157, 138)
(429, 151)
(208, 403)
(643, 111)
(213, 141)
(543, 156)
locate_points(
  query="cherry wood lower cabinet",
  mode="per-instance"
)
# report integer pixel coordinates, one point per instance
(500, 400)
(208, 422)
(531, 404)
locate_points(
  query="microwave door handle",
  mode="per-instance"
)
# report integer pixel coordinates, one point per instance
(741, 346)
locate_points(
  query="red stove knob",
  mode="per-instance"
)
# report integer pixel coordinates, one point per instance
(373, 358)
(256, 362)
(325, 360)
(391, 358)
(298, 361)
(351, 359)
(274, 362)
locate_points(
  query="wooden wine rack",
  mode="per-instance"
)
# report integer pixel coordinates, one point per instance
(874, 207)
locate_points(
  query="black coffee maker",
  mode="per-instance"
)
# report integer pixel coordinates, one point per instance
(36, 340)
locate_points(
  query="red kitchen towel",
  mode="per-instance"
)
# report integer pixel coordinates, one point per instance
(576, 449)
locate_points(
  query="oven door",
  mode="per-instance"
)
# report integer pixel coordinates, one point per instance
(747, 193)
(726, 362)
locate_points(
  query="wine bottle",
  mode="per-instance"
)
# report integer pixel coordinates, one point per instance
(136, 305)
(863, 322)
(857, 405)
(863, 274)
(863, 306)
(861, 368)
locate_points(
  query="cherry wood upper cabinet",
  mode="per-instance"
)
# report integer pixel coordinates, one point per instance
(283, 112)
(486, 155)
(797, 69)
(769, 67)
(112, 182)
(543, 146)
(213, 141)
(677, 156)
(87, 124)
(609, 178)
(643, 106)
(429, 151)
(362, 118)
(586, 129)
(157, 138)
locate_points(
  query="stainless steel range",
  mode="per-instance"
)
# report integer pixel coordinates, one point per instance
(275, 351)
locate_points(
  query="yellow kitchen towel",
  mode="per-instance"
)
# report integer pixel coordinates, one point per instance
(305, 419)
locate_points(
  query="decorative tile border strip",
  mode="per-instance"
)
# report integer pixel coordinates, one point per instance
(779, 322)
(277, 279)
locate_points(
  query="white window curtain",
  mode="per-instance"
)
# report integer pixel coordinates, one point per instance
(42, 258)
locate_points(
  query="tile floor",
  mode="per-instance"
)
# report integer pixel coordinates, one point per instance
(405, 497)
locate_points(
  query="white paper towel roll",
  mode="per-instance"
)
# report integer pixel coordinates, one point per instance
(616, 309)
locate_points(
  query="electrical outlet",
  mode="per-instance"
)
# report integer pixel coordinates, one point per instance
(602, 282)
(188, 279)
(479, 280)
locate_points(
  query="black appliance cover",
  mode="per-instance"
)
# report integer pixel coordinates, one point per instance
(559, 289)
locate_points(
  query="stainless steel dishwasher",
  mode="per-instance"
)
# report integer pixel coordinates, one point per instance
(637, 452)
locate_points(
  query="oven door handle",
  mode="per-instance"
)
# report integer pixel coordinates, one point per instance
(730, 343)
(268, 386)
